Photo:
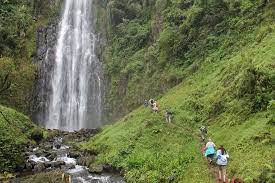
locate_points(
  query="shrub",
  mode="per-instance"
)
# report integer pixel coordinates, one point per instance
(37, 134)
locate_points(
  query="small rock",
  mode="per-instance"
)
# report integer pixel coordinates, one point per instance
(28, 166)
(57, 164)
(95, 168)
(70, 166)
(39, 167)
(74, 155)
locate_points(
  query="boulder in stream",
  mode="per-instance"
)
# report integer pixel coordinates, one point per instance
(95, 168)
(39, 167)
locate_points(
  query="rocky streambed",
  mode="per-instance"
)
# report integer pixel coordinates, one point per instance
(58, 154)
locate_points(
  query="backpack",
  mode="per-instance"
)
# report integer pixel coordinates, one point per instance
(222, 159)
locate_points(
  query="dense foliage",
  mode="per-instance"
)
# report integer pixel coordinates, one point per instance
(222, 54)
(19, 20)
(153, 42)
(15, 133)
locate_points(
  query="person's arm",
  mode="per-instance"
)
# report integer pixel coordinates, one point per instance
(227, 155)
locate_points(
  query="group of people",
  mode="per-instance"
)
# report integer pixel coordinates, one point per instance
(220, 156)
(153, 104)
(155, 108)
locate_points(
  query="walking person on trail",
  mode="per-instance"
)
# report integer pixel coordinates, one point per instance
(203, 132)
(155, 107)
(151, 102)
(209, 150)
(145, 103)
(168, 116)
(222, 157)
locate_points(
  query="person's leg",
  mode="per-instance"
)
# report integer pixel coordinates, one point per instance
(224, 173)
(211, 158)
(220, 173)
(202, 136)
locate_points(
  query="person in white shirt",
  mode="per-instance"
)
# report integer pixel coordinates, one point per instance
(222, 157)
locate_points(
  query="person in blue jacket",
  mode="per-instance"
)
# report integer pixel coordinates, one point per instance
(209, 150)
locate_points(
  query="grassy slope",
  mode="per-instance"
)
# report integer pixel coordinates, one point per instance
(15, 131)
(152, 151)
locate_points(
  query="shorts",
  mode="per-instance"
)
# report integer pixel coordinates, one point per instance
(222, 167)
(210, 156)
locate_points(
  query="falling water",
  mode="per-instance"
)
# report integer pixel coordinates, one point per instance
(76, 100)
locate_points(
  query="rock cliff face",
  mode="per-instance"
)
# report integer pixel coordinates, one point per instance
(46, 41)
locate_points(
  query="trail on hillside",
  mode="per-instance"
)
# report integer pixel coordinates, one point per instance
(200, 148)
(211, 168)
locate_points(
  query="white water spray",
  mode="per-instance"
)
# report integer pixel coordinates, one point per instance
(76, 100)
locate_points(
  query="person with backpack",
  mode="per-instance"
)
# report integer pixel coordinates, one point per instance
(209, 150)
(145, 103)
(155, 107)
(168, 116)
(222, 157)
(151, 102)
(203, 132)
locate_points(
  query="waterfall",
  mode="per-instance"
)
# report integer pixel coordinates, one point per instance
(76, 81)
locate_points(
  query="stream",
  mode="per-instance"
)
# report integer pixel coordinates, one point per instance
(55, 154)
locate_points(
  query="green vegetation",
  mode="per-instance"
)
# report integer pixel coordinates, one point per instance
(19, 21)
(153, 42)
(16, 131)
(228, 81)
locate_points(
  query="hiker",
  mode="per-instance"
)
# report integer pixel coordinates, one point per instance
(222, 157)
(155, 107)
(209, 150)
(168, 116)
(145, 103)
(203, 132)
(151, 102)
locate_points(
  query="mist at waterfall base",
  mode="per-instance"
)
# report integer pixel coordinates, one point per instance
(75, 101)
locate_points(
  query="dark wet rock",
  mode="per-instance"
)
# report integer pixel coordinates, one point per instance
(27, 154)
(57, 164)
(70, 166)
(90, 152)
(32, 162)
(28, 166)
(48, 147)
(48, 164)
(86, 161)
(37, 134)
(74, 154)
(39, 167)
(57, 146)
(111, 169)
(39, 152)
(51, 156)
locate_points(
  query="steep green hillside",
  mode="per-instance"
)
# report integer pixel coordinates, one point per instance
(151, 43)
(231, 93)
(16, 131)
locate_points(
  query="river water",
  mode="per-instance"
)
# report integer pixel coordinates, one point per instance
(79, 174)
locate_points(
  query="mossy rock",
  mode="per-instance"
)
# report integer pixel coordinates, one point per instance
(37, 134)
(53, 177)
(95, 168)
